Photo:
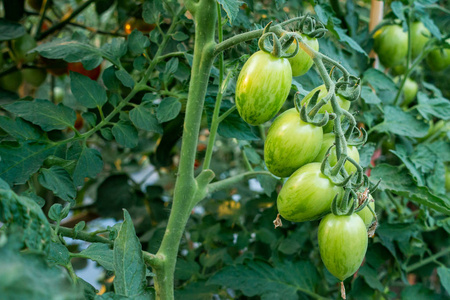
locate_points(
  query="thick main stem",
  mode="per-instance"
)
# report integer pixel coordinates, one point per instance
(186, 187)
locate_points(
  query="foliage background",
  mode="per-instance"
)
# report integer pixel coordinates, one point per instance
(230, 249)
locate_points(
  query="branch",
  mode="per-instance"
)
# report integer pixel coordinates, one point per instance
(229, 182)
(83, 235)
(427, 260)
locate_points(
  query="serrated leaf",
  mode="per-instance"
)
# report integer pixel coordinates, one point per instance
(378, 80)
(402, 123)
(87, 92)
(115, 49)
(168, 109)
(125, 134)
(151, 11)
(19, 129)
(137, 42)
(429, 107)
(110, 80)
(129, 264)
(44, 113)
(143, 118)
(259, 278)
(444, 276)
(125, 78)
(231, 7)
(344, 38)
(59, 182)
(88, 163)
(19, 162)
(399, 181)
(100, 253)
(58, 254)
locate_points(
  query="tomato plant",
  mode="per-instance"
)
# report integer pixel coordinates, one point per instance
(391, 45)
(338, 237)
(439, 59)
(290, 143)
(262, 87)
(307, 194)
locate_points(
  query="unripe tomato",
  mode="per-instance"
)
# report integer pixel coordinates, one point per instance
(139, 24)
(439, 59)
(262, 87)
(290, 143)
(419, 37)
(342, 244)
(391, 45)
(447, 179)
(399, 69)
(11, 82)
(365, 214)
(328, 140)
(409, 91)
(344, 104)
(58, 94)
(307, 194)
(35, 77)
(302, 62)
(21, 46)
(79, 68)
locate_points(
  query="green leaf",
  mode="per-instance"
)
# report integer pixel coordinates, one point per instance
(137, 42)
(180, 36)
(100, 253)
(59, 182)
(404, 156)
(171, 68)
(10, 30)
(168, 109)
(257, 278)
(344, 38)
(140, 63)
(429, 107)
(58, 254)
(371, 277)
(444, 276)
(25, 213)
(365, 154)
(87, 92)
(369, 96)
(231, 7)
(125, 78)
(143, 118)
(115, 50)
(114, 194)
(397, 9)
(423, 158)
(44, 113)
(19, 162)
(129, 264)
(151, 11)
(88, 163)
(418, 291)
(19, 129)
(197, 290)
(57, 212)
(125, 134)
(399, 181)
(378, 80)
(110, 80)
(402, 123)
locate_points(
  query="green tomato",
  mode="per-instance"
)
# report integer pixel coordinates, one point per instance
(35, 77)
(409, 91)
(302, 62)
(290, 143)
(11, 82)
(447, 179)
(328, 140)
(342, 244)
(419, 37)
(391, 45)
(399, 69)
(21, 46)
(307, 194)
(439, 59)
(58, 93)
(262, 87)
(344, 104)
(365, 214)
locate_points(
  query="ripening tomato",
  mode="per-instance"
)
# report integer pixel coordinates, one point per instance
(21, 46)
(11, 82)
(342, 244)
(365, 213)
(344, 104)
(352, 151)
(79, 68)
(139, 24)
(302, 62)
(391, 45)
(439, 59)
(79, 122)
(409, 91)
(307, 194)
(290, 143)
(419, 37)
(35, 77)
(262, 87)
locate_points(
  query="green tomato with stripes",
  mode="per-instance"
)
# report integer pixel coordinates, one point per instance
(262, 87)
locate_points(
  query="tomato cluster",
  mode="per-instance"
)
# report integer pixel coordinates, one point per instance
(294, 149)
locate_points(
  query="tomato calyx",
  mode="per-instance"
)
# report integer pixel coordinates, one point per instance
(349, 88)
(279, 46)
(309, 112)
(311, 27)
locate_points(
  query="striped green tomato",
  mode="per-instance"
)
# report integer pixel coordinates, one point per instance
(391, 45)
(365, 213)
(302, 62)
(307, 194)
(291, 143)
(342, 244)
(262, 87)
(328, 140)
(343, 103)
